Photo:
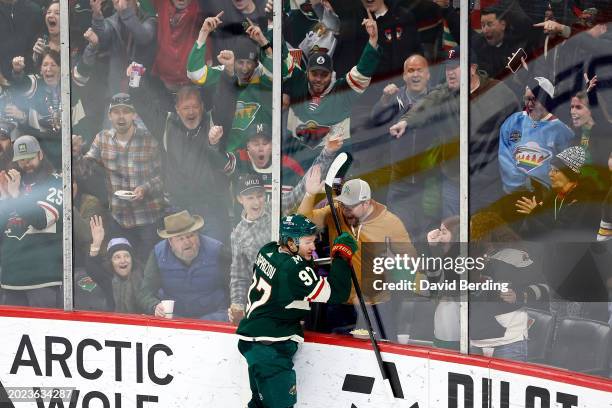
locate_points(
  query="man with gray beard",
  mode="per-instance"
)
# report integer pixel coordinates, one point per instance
(189, 268)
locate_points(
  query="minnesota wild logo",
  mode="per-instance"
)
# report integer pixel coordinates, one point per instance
(531, 156)
(87, 284)
(311, 133)
(245, 114)
(16, 227)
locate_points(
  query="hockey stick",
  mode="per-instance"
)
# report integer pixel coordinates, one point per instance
(343, 160)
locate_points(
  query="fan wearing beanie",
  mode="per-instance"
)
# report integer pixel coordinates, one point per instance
(119, 274)
(566, 223)
(572, 204)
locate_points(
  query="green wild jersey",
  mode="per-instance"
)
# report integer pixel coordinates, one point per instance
(31, 250)
(254, 99)
(283, 285)
(311, 119)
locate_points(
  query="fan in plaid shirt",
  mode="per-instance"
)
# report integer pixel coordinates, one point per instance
(132, 162)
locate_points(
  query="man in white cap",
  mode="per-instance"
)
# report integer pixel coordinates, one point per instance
(31, 219)
(367, 221)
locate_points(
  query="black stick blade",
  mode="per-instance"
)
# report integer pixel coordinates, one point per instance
(393, 376)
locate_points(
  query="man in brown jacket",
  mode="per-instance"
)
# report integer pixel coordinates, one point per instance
(367, 221)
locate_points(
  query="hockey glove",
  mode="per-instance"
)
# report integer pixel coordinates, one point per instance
(344, 246)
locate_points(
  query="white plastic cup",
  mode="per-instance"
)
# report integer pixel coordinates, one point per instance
(403, 338)
(168, 306)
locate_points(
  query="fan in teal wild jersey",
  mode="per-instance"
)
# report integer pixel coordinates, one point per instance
(253, 53)
(284, 284)
(31, 219)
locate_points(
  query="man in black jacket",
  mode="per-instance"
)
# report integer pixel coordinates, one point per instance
(398, 37)
(502, 35)
(195, 165)
(20, 23)
(236, 16)
(406, 179)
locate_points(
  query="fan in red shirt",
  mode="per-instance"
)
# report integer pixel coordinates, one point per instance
(178, 25)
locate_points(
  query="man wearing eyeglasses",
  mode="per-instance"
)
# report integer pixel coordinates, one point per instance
(529, 139)
(367, 221)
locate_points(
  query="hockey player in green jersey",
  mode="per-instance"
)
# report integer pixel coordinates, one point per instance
(284, 282)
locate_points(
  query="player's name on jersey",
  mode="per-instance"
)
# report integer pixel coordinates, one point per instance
(265, 266)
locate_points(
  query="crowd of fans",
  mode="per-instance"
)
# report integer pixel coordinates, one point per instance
(172, 151)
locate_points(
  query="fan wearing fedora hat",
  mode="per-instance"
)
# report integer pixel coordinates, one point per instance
(189, 268)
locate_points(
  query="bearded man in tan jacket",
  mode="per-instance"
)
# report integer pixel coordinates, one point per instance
(367, 221)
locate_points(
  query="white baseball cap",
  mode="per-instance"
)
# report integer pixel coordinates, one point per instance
(354, 191)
